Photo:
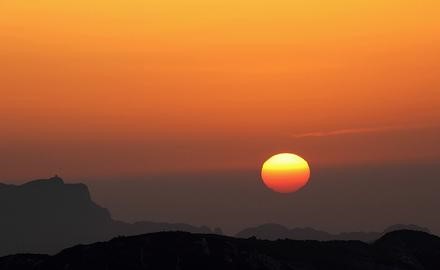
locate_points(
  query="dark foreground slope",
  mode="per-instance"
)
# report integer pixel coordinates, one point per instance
(178, 250)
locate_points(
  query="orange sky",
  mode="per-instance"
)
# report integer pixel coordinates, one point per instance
(133, 87)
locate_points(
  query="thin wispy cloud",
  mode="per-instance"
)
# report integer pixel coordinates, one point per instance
(356, 131)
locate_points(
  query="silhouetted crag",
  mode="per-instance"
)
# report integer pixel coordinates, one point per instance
(405, 250)
(45, 216)
(276, 231)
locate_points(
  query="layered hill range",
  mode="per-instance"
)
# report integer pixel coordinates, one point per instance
(48, 215)
(276, 231)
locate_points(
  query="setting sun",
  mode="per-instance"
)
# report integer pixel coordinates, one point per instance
(285, 173)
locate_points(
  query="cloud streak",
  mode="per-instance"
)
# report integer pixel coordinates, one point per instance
(356, 131)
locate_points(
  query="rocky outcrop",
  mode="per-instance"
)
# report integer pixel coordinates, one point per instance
(47, 215)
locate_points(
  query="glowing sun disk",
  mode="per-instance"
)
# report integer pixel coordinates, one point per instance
(285, 173)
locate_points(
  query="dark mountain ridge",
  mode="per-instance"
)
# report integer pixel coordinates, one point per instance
(399, 250)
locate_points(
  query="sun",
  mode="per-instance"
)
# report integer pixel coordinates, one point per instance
(285, 173)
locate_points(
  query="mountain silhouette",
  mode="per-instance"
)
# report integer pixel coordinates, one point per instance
(275, 231)
(47, 215)
(398, 250)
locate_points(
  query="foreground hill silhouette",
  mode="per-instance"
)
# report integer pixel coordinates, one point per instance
(47, 215)
(276, 231)
(405, 250)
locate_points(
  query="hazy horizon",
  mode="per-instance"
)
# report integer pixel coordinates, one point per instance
(339, 199)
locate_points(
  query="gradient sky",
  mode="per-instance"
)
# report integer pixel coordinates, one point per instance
(105, 87)
(96, 89)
